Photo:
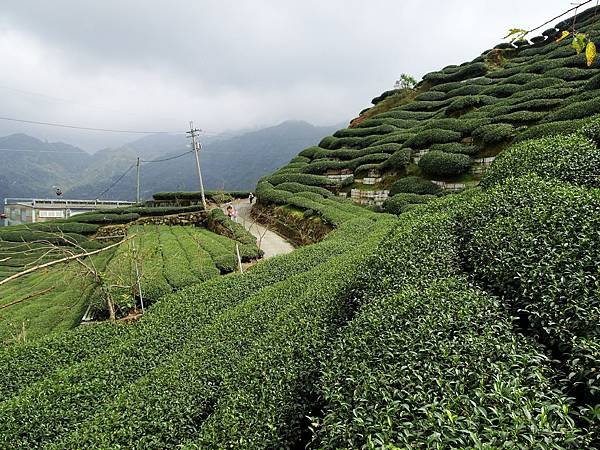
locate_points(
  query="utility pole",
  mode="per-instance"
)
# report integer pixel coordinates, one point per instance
(137, 195)
(193, 133)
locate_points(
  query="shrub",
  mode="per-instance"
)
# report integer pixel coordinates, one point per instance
(463, 73)
(267, 194)
(424, 369)
(593, 83)
(571, 73)
(426, 106)
(398, 123)
(414, 185)
(297, 187)
(502, 89)
(425, 138)
(362, 132)
(300, 159)
(430, 96)
(387, 94)
(396, 204)
(355, 142)
(494, 133)
(520, 79)
(554, 128)
(345, 153)
(542, 83)
(592, 131)
(363, 169)
(535, 241)
(462, 125)
(521, 117)
(309, 152)
(326, 142)
(104, 218)
(395, 138)
(64, 227)
(456, 147)
(399, 159)
(302, 178)
(445, 165)
(233, 230)
(462, 104)
(465, 90)
(405, 115)
(572, 159)
(573, 111)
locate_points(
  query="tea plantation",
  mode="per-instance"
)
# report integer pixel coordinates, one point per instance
(468, 321)
(56, 298)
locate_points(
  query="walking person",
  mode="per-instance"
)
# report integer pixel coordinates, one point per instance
(232, 213)
(251, 197)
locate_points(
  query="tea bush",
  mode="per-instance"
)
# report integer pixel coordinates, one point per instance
(414, 185)
(572, 158)
(397, 203)
(440, 164)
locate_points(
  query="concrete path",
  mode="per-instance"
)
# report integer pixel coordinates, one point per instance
(272, 244)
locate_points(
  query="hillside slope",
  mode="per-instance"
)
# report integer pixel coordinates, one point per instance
(471, 322)
(450, 128)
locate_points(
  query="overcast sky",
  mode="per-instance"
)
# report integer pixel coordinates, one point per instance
(155, 65)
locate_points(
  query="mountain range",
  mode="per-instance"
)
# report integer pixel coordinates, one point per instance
(33, 168)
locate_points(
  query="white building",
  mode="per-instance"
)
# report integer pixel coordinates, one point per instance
(32, 210)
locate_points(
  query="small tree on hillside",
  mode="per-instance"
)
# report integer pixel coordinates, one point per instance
(405, 81)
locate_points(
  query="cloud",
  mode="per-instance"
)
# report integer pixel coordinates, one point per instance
(230, 64)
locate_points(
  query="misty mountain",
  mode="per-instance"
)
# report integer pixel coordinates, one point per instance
(31, 167)
(230, 162)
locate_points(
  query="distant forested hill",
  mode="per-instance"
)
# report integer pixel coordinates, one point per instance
(31, 167)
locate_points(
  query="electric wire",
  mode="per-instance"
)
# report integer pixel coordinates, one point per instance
(116, 182)
(166, 159)
(77, 127)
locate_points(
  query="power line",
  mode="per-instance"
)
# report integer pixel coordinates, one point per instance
(42, 151)
(116, 182)
(77, 127)
(166, 159)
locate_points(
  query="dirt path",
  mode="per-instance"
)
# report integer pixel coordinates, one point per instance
(272, 244)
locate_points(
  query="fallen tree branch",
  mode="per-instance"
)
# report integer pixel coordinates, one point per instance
(62, 260)
(27, 297)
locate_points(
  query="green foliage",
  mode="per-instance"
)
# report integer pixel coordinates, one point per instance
(494, 134)
(578, 110)
(414, 185)
(399, 159)
(302, 178)
(461, 105)
(456, 147)
(233, 230)
(463, 90)
(426, 138)
(320, 166)
(396, 204)
(572, 159)
(362, 132)
(461, 125)
(445, 165)
(535, 242)
(592, 131)
(405, 81)
(571, 73)
(438, 391)
(297, 187)
(502, 90)
(107, 218)
(430, 96)
(463, 73)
